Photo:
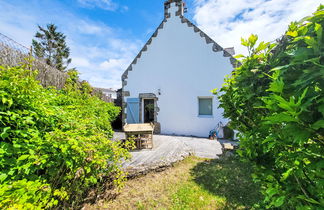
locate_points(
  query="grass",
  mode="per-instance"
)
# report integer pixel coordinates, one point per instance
(192, 184)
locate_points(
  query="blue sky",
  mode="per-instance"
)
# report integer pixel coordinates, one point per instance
(105, 35)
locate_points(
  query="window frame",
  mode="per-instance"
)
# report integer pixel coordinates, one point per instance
(212, 106)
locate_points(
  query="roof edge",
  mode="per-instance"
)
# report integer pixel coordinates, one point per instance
(129, 68)
(216, 47)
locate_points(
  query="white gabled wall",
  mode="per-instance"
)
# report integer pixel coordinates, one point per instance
(183, 67)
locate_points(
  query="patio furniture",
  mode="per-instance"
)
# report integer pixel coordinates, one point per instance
(142, 134)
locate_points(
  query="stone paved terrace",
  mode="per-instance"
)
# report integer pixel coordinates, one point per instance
(168, 150)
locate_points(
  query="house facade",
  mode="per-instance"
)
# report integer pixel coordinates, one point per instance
(169, 83)
(109, 92)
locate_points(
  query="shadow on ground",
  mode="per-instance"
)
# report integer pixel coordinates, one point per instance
(228, 178)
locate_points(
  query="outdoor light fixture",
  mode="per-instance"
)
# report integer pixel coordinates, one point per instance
(159, 91)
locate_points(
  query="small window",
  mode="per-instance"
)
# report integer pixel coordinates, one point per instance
(205, 106)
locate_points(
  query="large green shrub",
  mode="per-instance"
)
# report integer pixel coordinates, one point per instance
(276, 100)
(54, 144)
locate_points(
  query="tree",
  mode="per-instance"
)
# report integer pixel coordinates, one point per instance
(50, 45)
(275, 99)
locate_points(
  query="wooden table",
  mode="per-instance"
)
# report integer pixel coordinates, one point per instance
(142, 134)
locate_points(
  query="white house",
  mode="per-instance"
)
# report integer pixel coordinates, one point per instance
(170, 80)
(109, 92)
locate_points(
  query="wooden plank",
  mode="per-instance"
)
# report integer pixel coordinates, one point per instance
(228, 146)
(139, 127)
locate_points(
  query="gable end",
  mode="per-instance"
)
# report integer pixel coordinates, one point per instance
(216, 47)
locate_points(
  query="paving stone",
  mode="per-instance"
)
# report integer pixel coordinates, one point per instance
(167, 151)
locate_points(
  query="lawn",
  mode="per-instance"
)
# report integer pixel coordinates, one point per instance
(194, 183)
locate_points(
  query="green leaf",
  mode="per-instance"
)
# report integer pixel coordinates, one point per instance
(319, 124)
(319, 32)
(252, 40)
(311, 41)
(23, 157)
(277, 86)
(310, 200)
(239, 56)
(244, 42)
(296, 132)
(279, 68)
(281, 117)
(214, 91)
(286, 174)
(302, 96)
(302, 31)
(279, 201)
(5, 133)
(3, 177)
(301, 53)
(321, 109)
(262, 46)
(292, 33)
(4, 100)
(271, 192)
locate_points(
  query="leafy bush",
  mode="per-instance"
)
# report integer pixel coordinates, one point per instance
(54, 144)
(276, 100)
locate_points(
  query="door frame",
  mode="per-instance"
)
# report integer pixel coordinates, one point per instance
(157, 126)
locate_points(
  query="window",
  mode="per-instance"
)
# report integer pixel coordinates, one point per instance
(205, 106)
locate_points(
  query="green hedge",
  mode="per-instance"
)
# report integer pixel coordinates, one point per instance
(276, 100)
(54, 144)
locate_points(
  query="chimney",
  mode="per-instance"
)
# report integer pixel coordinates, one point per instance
(174, 8)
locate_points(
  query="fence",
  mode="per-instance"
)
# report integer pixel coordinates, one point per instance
(12, 54)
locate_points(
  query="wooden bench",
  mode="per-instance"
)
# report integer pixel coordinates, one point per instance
(142, 134)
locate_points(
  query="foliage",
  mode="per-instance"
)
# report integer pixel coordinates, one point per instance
(51, 46)
(276, 100)
(54, 144)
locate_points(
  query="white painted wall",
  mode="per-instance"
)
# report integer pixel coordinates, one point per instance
(183, 67)
(110, 93)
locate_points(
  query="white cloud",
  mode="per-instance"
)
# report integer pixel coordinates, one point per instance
(98, 51)
(86, 27)
(110, 69)
(102, 82)
(103, 66)
(126, 47)
(16, 25)
(125, 8)
(80, 62)
(227, 21)
(102, 4)
(113, 64)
